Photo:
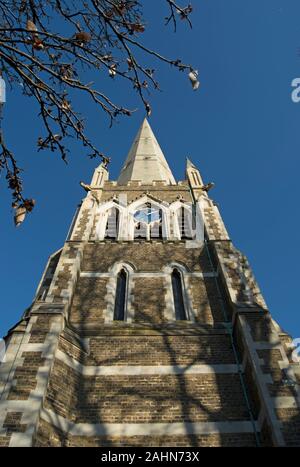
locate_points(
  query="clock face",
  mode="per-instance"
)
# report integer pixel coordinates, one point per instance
(147, 215)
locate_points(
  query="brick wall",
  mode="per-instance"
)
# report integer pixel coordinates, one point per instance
(206, 303)
(145, 256)
(50, 436)
(89, 301)
(146, 306)
(157, 349)
(104, 373)
(145, 399)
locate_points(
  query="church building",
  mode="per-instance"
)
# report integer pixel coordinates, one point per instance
(148, 327)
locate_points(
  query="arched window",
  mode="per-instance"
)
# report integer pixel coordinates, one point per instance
(185, 223)
(120, 300)
(112, 225)
(180, 313)
(148, 222)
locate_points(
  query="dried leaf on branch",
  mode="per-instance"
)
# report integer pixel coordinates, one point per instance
(49, 47)
(193, 76)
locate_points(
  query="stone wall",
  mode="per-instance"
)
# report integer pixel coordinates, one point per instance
(143, 381)
(144, 256)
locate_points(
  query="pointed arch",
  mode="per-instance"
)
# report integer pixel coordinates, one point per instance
(148, 222)
(178, 295)
(120, 296)
(155, 224)
(110, 220)
(183, 216)
(119, 293)
(115, 268)
(178, 292)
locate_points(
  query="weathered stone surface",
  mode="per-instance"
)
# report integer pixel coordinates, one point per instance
(144, 256)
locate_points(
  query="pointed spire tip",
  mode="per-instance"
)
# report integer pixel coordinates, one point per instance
(146, 161)
(189, 163)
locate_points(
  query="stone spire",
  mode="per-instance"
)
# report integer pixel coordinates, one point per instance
(189, 164)
(146, 161)
(193, 175)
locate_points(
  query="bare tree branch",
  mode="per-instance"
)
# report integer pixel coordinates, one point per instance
(48, 46)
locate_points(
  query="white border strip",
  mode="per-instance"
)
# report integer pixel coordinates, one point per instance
(135, 370)
(144, 429)
(201, 275)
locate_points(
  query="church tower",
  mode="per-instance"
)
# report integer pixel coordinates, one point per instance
(148, 327)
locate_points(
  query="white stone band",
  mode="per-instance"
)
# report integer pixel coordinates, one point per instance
(136, 370)
(144, 429)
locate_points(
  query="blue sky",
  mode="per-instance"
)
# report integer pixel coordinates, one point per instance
(241, 129)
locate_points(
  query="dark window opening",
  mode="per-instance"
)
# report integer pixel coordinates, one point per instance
(119, 312)
(180, 313)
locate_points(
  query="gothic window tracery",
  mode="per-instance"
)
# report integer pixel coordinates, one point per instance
(148, 222)
(185, 223)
